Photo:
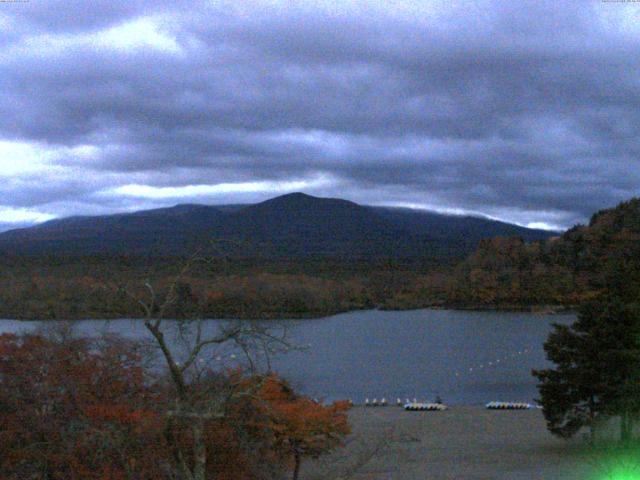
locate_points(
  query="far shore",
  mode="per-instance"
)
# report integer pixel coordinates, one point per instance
(543, 309)
(540, 309)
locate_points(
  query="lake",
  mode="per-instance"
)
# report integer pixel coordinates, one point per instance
(464, 357)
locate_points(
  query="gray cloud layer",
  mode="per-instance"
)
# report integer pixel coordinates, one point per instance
(526, 111)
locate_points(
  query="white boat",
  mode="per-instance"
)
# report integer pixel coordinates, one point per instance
(419, 406)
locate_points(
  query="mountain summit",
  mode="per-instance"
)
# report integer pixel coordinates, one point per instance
(294, 225)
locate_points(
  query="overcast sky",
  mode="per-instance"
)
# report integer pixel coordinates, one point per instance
(523, 111)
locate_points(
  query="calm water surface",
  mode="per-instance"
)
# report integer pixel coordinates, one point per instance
(464, 357)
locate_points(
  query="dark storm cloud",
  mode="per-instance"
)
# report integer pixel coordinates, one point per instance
(526, 111)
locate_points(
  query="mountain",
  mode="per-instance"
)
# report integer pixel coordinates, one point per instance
(457, 231)
(159, 231)
(294, 225)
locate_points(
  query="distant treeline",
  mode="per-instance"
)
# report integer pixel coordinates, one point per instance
(505, 273)
(101, 287)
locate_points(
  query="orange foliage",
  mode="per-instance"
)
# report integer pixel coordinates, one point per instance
(77, 409)
(301, 426)
(70, 409)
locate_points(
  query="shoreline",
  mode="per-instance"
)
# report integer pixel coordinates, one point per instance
(540, 309)
(543, 309)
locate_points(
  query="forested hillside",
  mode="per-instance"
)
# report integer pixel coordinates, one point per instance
(559, 271)
(502, 272)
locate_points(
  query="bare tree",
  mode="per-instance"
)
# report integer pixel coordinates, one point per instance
(197, 399)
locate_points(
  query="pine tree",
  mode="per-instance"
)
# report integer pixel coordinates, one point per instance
(597, 368)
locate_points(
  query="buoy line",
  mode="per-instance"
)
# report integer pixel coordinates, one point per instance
(494, 363)
(375, 402)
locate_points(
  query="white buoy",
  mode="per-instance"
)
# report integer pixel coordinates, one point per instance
(508, 406)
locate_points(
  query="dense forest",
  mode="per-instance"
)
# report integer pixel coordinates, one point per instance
(561, 271)
(503, 272)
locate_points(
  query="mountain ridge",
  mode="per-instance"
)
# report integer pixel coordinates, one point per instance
(292, 225)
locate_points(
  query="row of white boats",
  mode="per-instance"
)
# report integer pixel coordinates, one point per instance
(399, 403)
(439, 406)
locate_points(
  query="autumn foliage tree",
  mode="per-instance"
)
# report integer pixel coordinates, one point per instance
(76, 409)
(91, 409)
(302, 427)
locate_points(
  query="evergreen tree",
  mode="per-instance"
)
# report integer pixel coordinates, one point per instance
(597, 368)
